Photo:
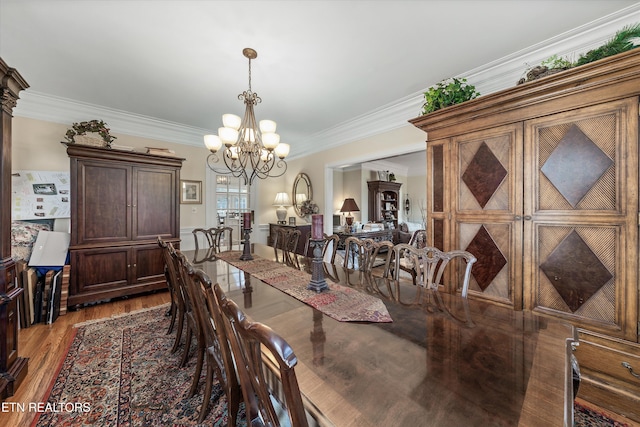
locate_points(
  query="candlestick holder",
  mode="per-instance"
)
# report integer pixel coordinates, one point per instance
(246, 253)
(317, 283)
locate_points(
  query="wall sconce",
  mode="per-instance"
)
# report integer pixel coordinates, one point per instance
(407, 205)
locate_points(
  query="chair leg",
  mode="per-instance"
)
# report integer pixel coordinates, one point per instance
(172, 313)
(187, 345)
(207, 389)
(233, 406)
(199, 363)
(176, 344)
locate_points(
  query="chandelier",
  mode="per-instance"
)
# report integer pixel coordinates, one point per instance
(249, 151)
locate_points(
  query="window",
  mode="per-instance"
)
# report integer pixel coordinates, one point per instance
(232, 199)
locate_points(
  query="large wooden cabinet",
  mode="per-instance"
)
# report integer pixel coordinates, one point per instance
(384, 201)
(540, 182)
(120, 203)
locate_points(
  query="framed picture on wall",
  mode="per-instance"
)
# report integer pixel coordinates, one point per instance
(190, 192)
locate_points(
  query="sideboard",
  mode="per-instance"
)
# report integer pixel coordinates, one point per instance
(540, 183)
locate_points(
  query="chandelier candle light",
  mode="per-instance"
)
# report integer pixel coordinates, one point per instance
(249, 151)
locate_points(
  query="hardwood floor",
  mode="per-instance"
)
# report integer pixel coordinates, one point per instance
(46, 346)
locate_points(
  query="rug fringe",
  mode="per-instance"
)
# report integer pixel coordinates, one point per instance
(117, 316)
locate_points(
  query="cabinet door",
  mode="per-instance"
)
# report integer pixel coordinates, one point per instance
(581, 241)
(154, 206)
(99, 274)
(487, 210)
(148, 265)
(102, 204)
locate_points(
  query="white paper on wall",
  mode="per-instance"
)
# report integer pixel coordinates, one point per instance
(40, 195)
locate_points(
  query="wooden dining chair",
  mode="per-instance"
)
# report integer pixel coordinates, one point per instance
(176, 289)
(330, 248)
(201, 234)
(221, 238)
(365, 254)
(220, 365)
(192, 325)
(172, 283)
(430, 264)
(285, 245)
(265, 364)
(418, 240)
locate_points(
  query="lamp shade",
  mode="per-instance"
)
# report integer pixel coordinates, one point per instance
(282, 199)
(349, 205)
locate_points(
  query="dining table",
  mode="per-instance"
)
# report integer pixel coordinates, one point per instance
(439, 360)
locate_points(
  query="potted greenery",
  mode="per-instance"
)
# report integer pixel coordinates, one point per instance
(626, 39)
(78, 133)
(448, 92)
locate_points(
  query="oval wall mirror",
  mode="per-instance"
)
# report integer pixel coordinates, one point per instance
(301, 191)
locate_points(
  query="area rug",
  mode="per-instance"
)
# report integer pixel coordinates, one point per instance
(340, 302)
(120, 373)
(588, 415)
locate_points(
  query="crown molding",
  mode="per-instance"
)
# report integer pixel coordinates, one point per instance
(490, 77)
(40, 106)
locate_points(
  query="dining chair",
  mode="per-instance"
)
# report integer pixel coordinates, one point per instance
(220, 365)
(285, 245)
(177, 291)
(193, 324)
(265, 365)
(172, 282)
(418, 240)
(365, 254)
(430, 263)
(330, 248)
(201, 234)
(221, 238)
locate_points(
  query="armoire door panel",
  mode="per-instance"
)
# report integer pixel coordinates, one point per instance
(580, 241)
(492, 244)
(103, 194)
(580, 276)
(486, 187)
(154, 212)
(148, 264)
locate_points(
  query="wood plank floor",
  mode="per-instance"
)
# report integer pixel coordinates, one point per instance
(46, 347)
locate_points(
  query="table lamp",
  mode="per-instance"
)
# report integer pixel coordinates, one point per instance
(282, 200)
(349, 206)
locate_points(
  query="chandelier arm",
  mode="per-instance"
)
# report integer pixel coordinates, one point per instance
(247, 159)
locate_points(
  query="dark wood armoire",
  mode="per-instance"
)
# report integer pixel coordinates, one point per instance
(540, 182)
(13, 368)
(121, 202)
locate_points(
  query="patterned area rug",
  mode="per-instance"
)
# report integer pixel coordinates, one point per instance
(340, 302)
(587, 415)
(120, 373)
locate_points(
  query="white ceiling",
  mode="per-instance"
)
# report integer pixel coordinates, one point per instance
(320, 64)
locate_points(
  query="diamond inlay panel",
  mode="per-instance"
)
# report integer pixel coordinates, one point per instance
(575, 271)
(575, 165)
(490, 259)
(484, 174)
